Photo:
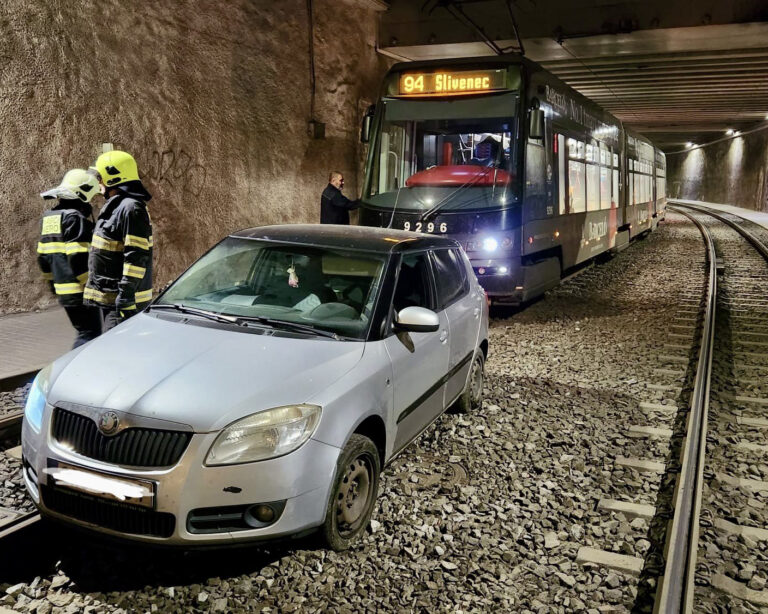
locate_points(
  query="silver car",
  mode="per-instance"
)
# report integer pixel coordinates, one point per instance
(262, 392)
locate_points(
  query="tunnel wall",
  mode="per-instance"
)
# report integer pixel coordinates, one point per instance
(733, 172)
(212, 98)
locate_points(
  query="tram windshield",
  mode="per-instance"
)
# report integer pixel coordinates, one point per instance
(447, 156)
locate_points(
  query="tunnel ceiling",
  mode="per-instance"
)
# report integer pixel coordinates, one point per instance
(676, 71)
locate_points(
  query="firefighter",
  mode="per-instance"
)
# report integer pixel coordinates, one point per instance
(120, 259)
(62, 251)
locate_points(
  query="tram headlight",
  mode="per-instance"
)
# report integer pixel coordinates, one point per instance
(490, 244)
(35, 406)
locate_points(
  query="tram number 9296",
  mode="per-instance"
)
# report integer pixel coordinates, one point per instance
(422, 227)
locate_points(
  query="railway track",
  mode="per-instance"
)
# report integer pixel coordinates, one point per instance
(12, 518)
(713, 561)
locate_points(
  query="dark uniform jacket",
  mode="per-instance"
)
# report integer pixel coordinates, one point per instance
(120, 260)
(62, 252)
(335, 207)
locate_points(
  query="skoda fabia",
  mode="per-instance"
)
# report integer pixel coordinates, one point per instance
(262, 392)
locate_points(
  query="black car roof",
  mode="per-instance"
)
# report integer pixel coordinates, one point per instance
(383, 240)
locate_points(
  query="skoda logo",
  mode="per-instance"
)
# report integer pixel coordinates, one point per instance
(109, 423)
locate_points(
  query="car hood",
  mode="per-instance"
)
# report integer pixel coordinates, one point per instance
(200, 376)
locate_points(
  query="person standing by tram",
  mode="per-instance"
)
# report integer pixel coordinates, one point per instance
(120, 259)
(334, 206)
(62, 251)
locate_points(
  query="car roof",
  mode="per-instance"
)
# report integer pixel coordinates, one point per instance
(382, 240)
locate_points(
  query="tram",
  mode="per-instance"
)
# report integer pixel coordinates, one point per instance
(531, 177)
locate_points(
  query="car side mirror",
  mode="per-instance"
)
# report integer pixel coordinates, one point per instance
(417, 320)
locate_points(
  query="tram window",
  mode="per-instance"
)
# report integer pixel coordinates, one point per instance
(388, 171)
(590, 153)
(631, 186)
(593, 187)
(615, 187)
(616, 160)
(575, 149)
(576, 186)
(561, 171)
(605, 188)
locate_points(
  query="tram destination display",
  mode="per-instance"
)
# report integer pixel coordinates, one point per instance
(451, 83)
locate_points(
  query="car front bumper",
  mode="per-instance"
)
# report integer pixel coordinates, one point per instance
(299, 482)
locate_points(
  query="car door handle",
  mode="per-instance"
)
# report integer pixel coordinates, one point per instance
(477, 312)
(443, 336)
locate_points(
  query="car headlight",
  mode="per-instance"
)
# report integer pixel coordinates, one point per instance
(35, 407)
(264, 435)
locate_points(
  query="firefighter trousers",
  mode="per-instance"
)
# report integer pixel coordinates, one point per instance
(86, 321)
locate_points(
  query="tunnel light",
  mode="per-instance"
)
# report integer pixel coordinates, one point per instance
(689, 144)
(736, 133)
(729, 132)
(503, 270)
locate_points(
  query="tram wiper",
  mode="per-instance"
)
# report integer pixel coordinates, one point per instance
(425, 217)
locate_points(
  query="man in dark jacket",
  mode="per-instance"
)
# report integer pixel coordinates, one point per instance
(334, 206)
(120, 259)
(62, 252)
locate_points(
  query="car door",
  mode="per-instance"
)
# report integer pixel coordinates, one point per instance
(419, 360)
(463, 309)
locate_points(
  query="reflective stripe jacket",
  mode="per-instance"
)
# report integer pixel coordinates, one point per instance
(62, 251)
(120, 260)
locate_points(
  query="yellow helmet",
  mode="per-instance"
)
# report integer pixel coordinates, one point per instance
(116, 167)
(77, 184)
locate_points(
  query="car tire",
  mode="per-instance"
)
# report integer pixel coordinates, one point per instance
(472, 395)
(353, 494)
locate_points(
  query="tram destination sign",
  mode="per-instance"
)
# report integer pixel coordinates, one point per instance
(451, 83)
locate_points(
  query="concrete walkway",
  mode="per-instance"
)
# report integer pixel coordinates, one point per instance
(29, 341)
(758, 217)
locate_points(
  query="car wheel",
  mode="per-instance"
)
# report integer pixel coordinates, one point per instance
(353, 494)
(472, 395)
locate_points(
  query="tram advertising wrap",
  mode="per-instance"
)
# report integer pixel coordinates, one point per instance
(530, 176)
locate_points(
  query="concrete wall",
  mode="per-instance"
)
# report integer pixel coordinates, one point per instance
(733, 172)
(212, 98)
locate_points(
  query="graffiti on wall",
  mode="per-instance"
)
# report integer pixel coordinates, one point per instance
(173, 168)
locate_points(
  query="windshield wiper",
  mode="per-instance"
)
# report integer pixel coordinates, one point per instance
(211, 315)
(425, 217)
(306, 328)
(244, 320)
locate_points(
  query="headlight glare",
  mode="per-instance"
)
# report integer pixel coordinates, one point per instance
(264, 435)
(35, 406)
(490, 244)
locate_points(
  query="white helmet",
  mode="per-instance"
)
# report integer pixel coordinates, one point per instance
(77, 184)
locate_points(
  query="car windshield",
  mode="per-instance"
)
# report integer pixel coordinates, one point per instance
(323, 288)
(426, 157)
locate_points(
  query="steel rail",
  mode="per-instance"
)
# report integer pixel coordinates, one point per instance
(676, 594)
(754, 241)
(22, 521)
